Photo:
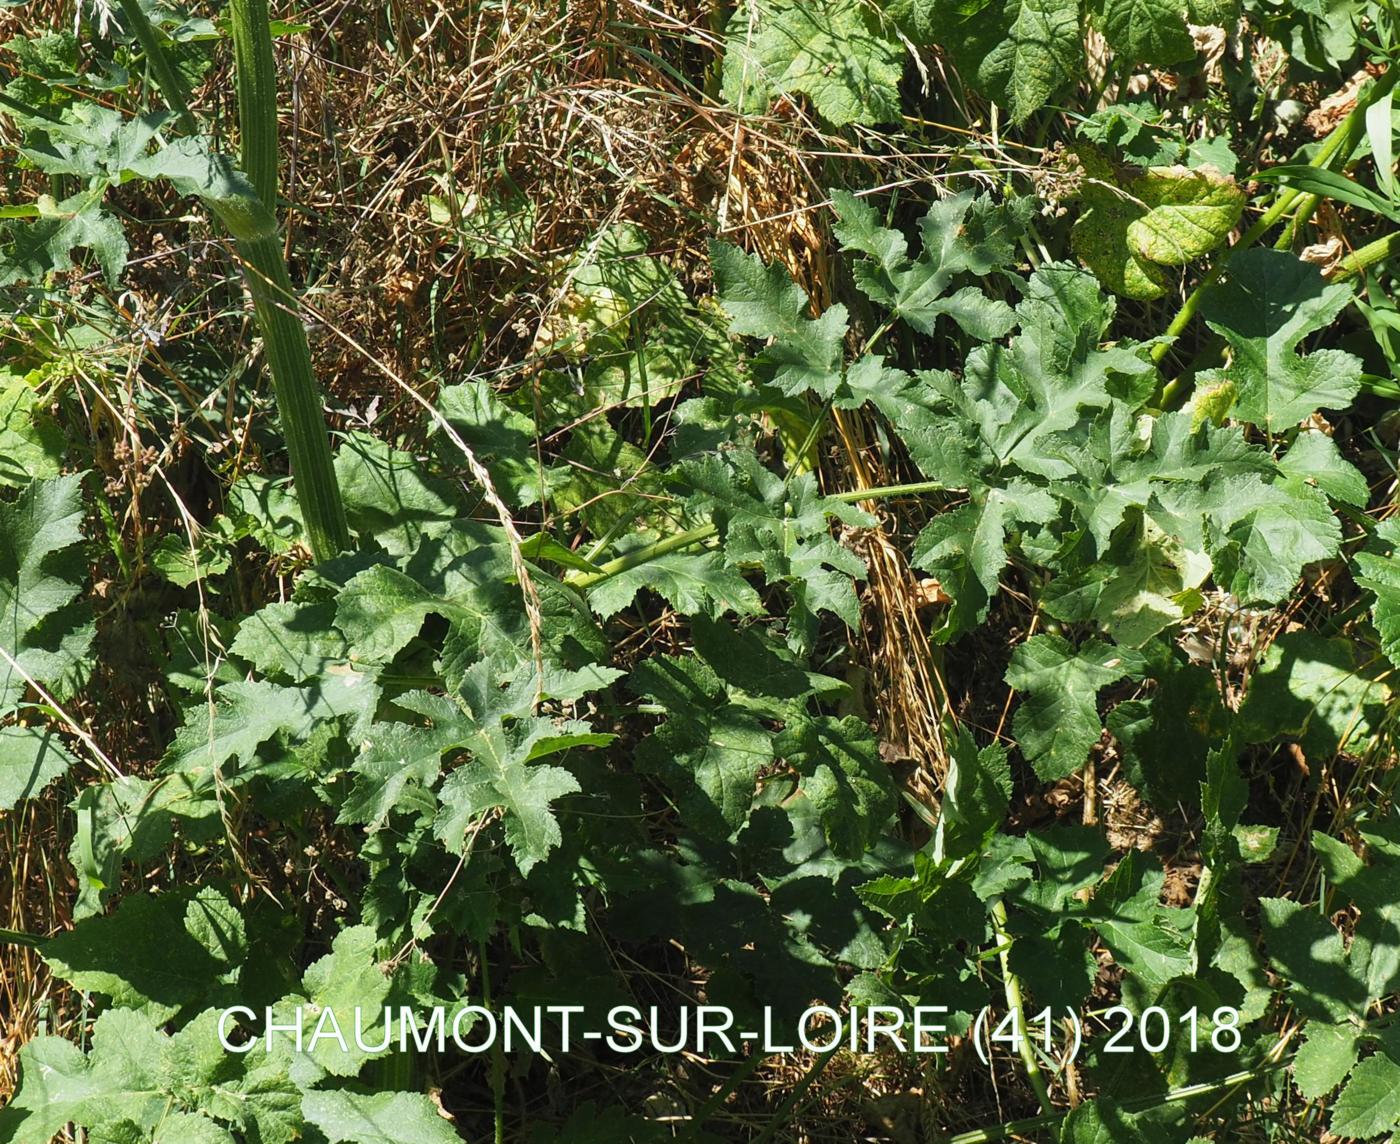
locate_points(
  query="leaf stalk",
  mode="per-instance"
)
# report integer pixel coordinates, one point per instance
(705, 531)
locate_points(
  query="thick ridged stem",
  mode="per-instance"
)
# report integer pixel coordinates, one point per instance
(298, 396)
(249, 219)
(257, 96)
(1011, 984)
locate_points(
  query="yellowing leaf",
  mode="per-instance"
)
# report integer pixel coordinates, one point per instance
(1189, 214)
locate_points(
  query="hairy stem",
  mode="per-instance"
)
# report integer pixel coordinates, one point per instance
(298, 396)
(172, 87)
(1012, 984)
(1030, 1126)
(1359, 261)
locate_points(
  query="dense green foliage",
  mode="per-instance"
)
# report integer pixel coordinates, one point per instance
(582, 692)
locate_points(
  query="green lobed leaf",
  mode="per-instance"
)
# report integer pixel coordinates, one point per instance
(709, 751)
(976, 791)
(247, 714)
(46, 638)
(296, 640)
(763, 301)
(347, 980)
(842, 774)
(782, 525)
(143, 956)
(1041, 53)
(1369, 1105)
(118, 1082)
(1304, 947)
(1380, 574)
(1314, 457)
(387, 495)
(1057, 721)
(1265, 534)
(838, 54)
(31, 443)
(504, 741)
(1149, 941)
(691, 582)
(1190, 212)
(502, 439)
(1268, 304)
(377, 1118)
(381, 609)
(34, 249)
(961, 234)
(1315, 689)
(1147, 31)
(398, 763)
(1325, 1057)
(30, 759)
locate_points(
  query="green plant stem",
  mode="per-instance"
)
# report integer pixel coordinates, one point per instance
(254, 228)
(1014, 1002)
(1358, 261)
(498, 1059)
(1342, 140)
(257, 96)
(1305, 211)
(19, 937)
(721, 1094)
(298, 396)
(1033, 1124)
(172, 87)
(705, 531)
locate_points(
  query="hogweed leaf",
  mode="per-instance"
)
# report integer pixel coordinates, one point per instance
(46, 638)
(763, 302)
(1058, 722)
(709, 751)
(1315, 689)
(247, 714)
(30, 759)
(143, 956)
(377, 1118)
(1369, 1105)
(1380, 574)
(1325, 1057)
(841, 773)
(1148, 31)
(1039, 53)
(693, 583)
(1270, 302)
(916, 290)
(1189, 213)
(1315, 458)
(838, 54)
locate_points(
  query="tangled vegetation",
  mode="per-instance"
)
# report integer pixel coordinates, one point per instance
(785, 510)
